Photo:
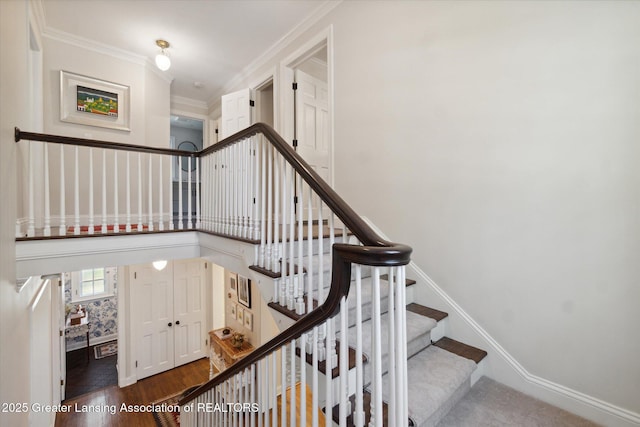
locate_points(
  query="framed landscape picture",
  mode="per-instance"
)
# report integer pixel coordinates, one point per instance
(93, 102)
(244, 291)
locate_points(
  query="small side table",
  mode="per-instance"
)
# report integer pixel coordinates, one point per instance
(222, 354)
(84, 321)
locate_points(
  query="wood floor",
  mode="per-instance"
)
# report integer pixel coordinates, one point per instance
(143, 392)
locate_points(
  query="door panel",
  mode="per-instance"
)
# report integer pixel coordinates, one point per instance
(312, 127)
(152, 312)
(190, 311)
(236, 112)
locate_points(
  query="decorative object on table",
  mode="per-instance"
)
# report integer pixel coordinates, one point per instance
(237, 339)
(248, 320)
(93, 102)
(106, 349)
(244, 291)
(76, 318)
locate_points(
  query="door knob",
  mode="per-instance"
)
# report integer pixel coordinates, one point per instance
(170, 324)
(177, 322)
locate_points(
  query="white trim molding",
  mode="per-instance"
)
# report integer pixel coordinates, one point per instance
(502, 361)
(105, 49)
(271, 53)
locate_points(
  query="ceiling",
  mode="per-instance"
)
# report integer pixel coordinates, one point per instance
(212, 41)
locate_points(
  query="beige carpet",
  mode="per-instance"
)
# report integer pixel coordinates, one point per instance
(491, 404)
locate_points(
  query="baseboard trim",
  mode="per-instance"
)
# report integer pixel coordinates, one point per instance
(92, 342)
(549, 388)
(496, 348)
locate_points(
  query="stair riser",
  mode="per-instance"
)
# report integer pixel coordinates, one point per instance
(444, 409)
(315, 247)
(413, 347)
(366, 273)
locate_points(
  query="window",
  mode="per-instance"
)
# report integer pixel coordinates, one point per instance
(92, 284)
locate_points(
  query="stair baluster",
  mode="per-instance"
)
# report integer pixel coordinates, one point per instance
(247, 192)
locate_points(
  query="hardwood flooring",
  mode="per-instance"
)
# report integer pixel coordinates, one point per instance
(143, 392)
(86, 376)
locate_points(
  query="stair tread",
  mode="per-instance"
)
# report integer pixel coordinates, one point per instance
(351, 299)
(418, 332)
(461, 349)
(366, 403)
(434, 375)
(273, 274)
(436, 315)
(408, 282)
(335, 372)
(291, 313)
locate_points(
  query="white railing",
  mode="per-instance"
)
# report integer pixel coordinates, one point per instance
(83, 187)
(251, 186)
(278, 388)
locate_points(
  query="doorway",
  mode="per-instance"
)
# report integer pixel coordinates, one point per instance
(91, 330)
(168, 311)
(307, 94)
(187, 134)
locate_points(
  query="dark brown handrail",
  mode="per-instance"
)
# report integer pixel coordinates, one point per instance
(334, 202)
(348, 216)
(96, 143)
(376, 251)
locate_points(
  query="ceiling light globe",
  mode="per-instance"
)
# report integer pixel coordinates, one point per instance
(159, 265)
(162, 61)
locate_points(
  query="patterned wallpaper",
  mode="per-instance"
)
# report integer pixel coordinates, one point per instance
(103, 315)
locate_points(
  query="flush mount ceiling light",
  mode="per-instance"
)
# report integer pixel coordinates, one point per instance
(162, 60)
(159, 265)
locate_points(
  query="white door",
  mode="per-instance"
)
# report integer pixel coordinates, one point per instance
(312, 125)
(236, 112)
(189, 311)
(152, 319)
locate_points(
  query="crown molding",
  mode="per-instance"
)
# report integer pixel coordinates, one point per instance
(104, 49)
(319, 13)
(189, 102)
(92, 45)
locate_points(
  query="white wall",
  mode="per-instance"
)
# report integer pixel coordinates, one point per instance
(499, 139)
(149, 123)
(14, 111)
(517, 124)
(149, 94)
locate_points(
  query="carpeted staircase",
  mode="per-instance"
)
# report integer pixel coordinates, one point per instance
(441, 371)
(438, 377)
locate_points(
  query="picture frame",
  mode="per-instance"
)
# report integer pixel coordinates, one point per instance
(233, 279)
(240, 315)
(244, 291)
(233, 311)
(93, 102)
(248, 320)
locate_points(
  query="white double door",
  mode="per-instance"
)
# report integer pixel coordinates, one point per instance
(168, 314)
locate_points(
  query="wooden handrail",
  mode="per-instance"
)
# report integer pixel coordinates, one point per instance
(96, 143)
(376, 252)
(334, 202)
(343, 256)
